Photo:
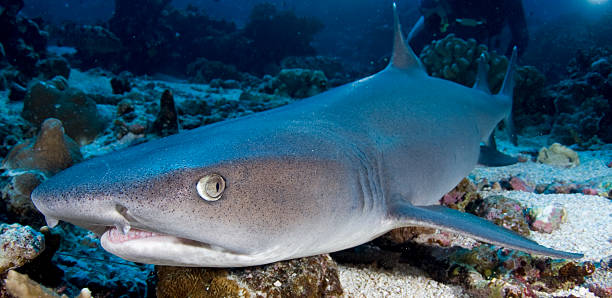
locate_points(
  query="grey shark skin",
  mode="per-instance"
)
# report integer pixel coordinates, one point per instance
(320, 175)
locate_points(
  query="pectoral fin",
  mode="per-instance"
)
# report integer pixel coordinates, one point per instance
(451, 220)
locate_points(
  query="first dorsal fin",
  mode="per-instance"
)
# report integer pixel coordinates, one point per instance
(403, 57)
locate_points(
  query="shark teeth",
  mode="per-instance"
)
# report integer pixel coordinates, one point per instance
(117, 236)
(124, 227)
(51, 222)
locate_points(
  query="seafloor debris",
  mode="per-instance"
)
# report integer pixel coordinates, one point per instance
(315, 276)
(558, 155)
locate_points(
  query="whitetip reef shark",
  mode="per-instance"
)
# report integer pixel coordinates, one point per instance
(320, 175)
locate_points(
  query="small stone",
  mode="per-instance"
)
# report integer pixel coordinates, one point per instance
(496, 186)
(136, 128)
(523, 158)
(590, 191)
(565, 189)
(519, 184)
(277, 283)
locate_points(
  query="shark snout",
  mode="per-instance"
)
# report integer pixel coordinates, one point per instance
(89, 208)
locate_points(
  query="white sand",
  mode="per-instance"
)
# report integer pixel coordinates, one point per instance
(402, 281)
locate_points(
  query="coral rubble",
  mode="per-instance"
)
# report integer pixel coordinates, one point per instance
(19, 245)
(558, 155)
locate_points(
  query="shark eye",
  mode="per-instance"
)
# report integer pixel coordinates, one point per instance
(211, 187)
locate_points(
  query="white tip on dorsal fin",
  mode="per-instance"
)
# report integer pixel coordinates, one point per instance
(482, 80)
(508, 85)
(403, 57)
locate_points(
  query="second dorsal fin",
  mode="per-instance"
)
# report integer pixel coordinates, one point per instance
(403, 57)
(482, 80)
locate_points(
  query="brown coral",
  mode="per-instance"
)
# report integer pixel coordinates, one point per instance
(315, 276)
(195, 282)
(50, 152)
(29, 163)
(54, 99)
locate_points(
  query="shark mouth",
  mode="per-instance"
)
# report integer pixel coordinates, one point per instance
(115, 236)
(162, 249)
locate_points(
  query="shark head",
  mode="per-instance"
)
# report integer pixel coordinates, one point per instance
(180, 201)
